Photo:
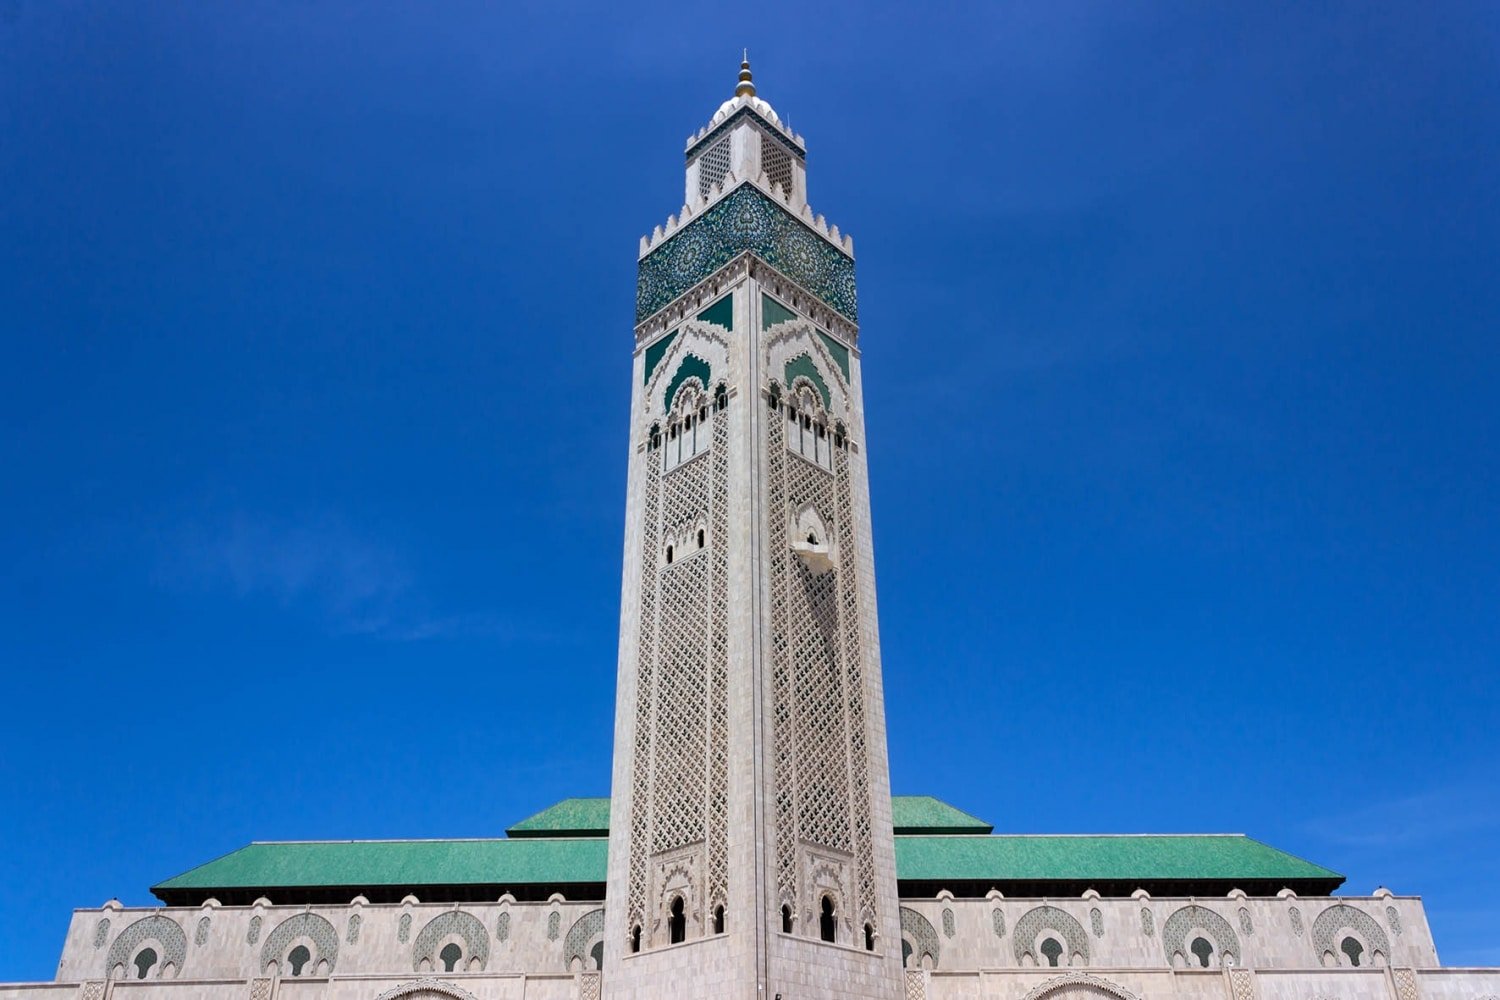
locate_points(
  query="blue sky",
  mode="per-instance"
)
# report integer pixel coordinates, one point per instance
(1180, 358)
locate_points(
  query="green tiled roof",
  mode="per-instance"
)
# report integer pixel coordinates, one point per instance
(925, 814)
(1117, 858)
(589, 817)
(568, 818)
(359, 863)
(949, 859)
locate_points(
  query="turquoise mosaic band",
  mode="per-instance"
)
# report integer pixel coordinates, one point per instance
(745, 220)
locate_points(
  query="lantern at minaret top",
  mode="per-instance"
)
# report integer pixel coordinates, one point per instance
(745, 139)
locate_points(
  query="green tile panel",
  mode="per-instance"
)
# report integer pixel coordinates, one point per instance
(581, 817)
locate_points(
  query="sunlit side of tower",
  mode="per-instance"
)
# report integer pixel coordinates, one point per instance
(751, 851)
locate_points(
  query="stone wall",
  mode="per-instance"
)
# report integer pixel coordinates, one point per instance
(1281, 932)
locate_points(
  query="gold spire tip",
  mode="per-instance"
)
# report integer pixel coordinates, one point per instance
(746, 88)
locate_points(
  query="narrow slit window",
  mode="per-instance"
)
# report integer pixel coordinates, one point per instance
(827, 925)
(869, 937)
(786, 919)
(677, 923)
(635, 939)
(719, 919)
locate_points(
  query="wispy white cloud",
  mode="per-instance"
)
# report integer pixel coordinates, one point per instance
(322, 568)
(1426, 817)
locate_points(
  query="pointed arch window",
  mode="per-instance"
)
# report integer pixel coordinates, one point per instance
(827, 925)
(145, 959)
(298, 958)
(786, 919)
(677, 922)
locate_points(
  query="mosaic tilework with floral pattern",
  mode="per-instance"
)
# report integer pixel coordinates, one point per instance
(745, 220)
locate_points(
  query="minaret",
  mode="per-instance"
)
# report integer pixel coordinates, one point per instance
(751, 852)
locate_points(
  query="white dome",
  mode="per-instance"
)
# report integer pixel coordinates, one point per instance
(729, 107)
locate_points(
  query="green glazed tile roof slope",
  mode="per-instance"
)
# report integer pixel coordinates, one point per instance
(972, 858)
(1150, 857)
(589, 817)
(925, 814)
(295, 864)
(582, 817)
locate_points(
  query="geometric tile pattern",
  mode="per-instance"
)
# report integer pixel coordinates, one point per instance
(314, 928)
(1148, 921)
(252, 934)
(745, 220)
(1175, 931)
(101, 933)
(948, 930)
(997, 917)
(1393, 917)
(200, 936)
(918, 932)
(1334, 919)
(581, 935)
(440, 927)
(1048, 918)
(1246, 926)
(158, 928)
(1096, 920)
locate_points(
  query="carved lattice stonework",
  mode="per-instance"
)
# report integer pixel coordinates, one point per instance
(1406, 985)
(997, 919)
(91, 990)
(713, 166)
(948, 929)
(252, 934)
(1148, 921)
(916, 985)
(590, 986)
(424, 986)
(403, 928)
(1242, 984)
(1296, 917)
(776, 163)
(260, 989)
(554, 925)
(351, 934)
(1393, 917)
(820, 747)
(502, 927)
(101, 933)
(745, 220)
(200, 935)
(1096, 920)
(1079, 986)
(1246, 926)
(680, 760)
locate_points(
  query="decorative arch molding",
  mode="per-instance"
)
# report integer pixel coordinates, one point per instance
(163, 930)
(1048, 918)
(798, 349)
(450, 924)
(304, 926)
(1340, 917)
(1175, 933)
(424, 986)
(919, 933)
(581, 937)
(1079, 985)
(695, 346)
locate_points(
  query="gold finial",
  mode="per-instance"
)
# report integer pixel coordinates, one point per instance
(746, 88)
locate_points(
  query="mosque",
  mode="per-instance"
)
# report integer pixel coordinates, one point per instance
(751, 848)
